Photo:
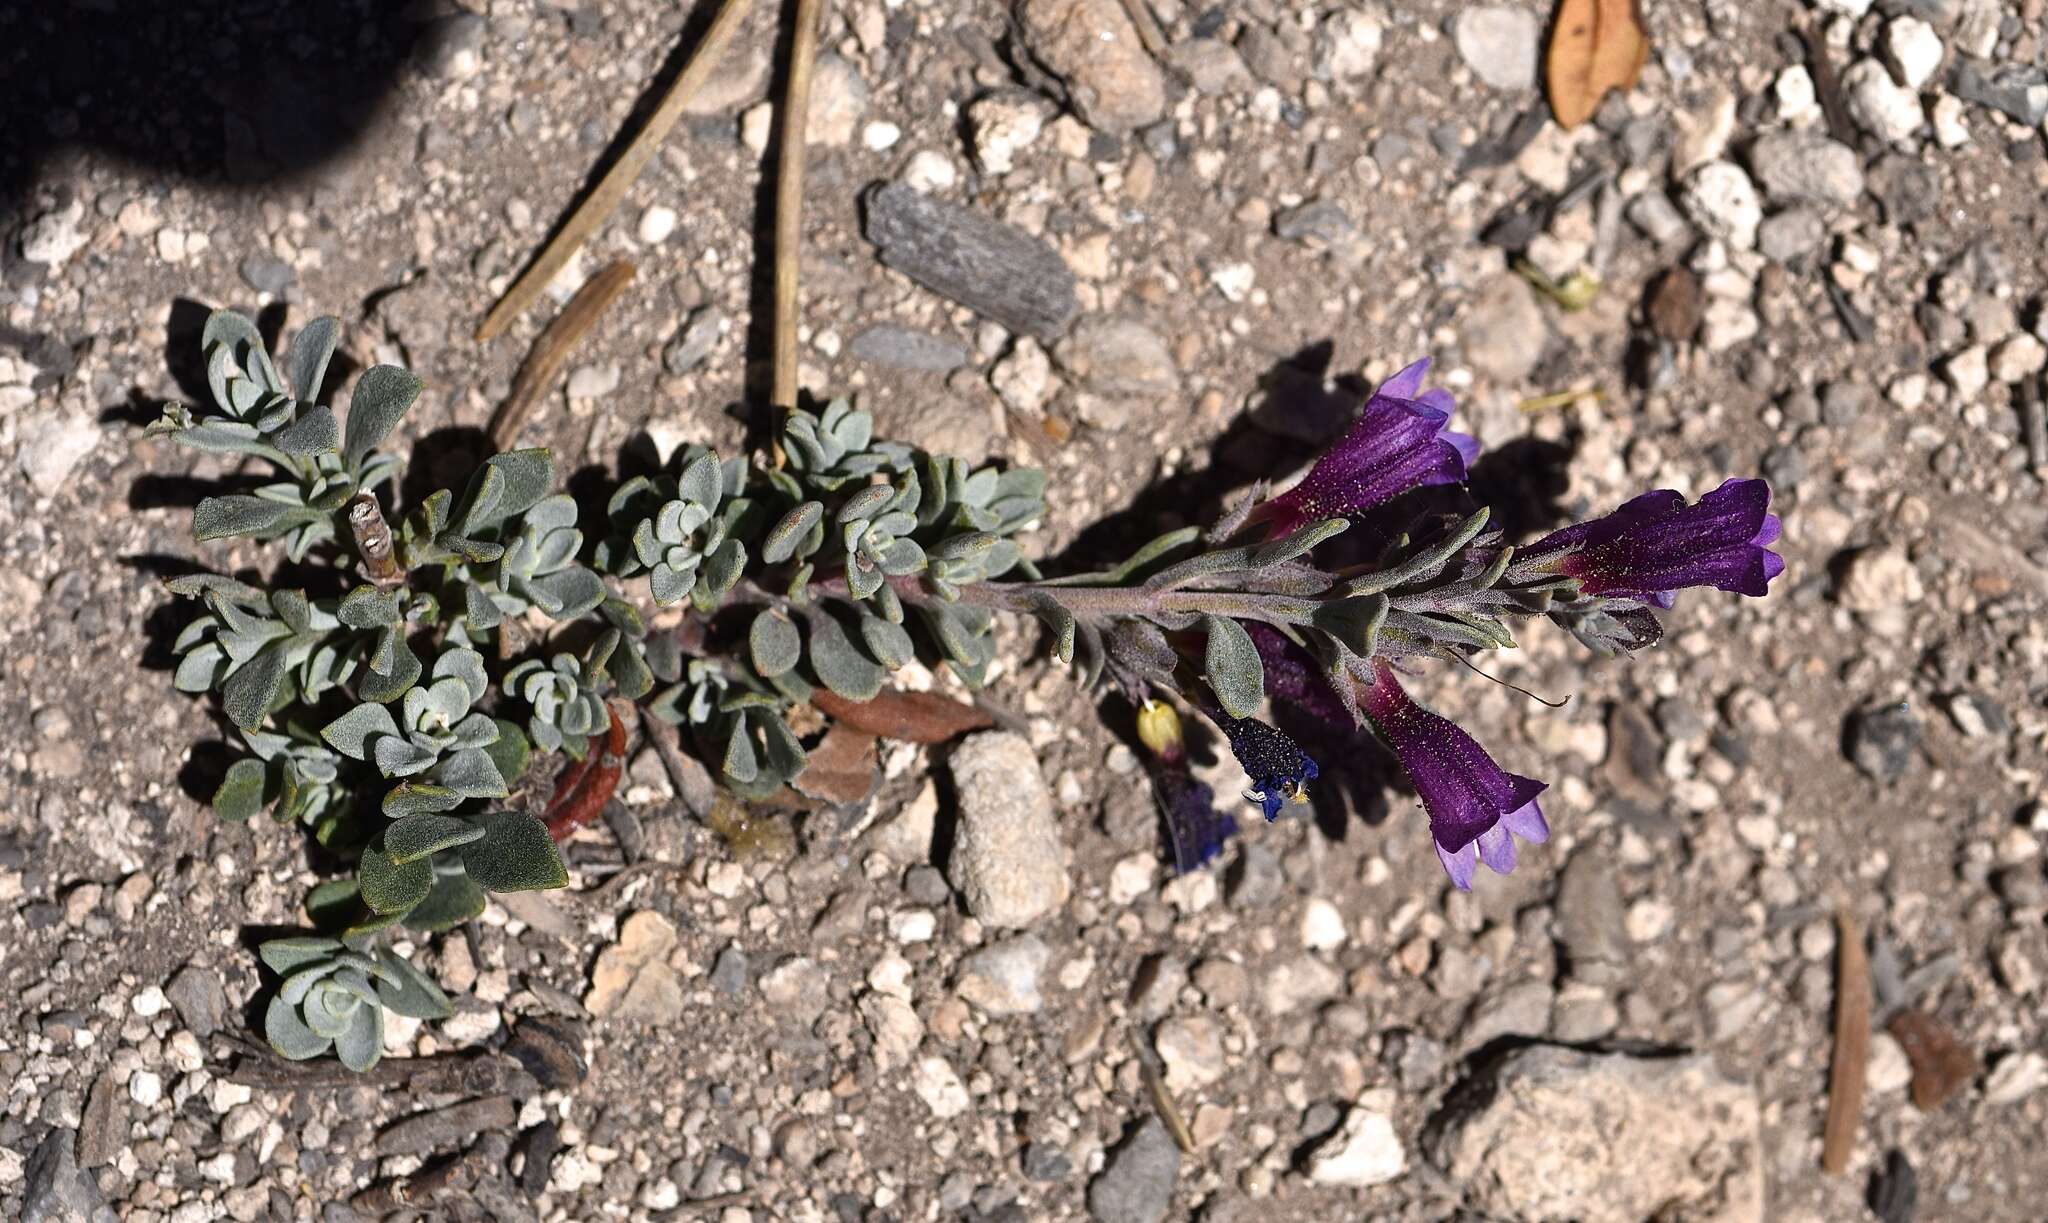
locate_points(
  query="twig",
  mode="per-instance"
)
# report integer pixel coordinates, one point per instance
(789, 197)
(1561, 399)
(1162, 1099)
(552, 348)
(1827, 87)
(612, 188)
(1149, 32)
(458, 1070)
(1852, 1045)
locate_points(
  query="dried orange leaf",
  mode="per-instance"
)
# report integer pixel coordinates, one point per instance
(1595, 46)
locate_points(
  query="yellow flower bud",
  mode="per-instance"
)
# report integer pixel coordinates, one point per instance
(1159, 728)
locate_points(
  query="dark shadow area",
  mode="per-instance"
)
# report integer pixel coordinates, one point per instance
(1522, 483)
(205, 768)
(210, 91)
(445, 458)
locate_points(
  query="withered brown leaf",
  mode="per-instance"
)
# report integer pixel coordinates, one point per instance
(1595, 46)
(914, 717)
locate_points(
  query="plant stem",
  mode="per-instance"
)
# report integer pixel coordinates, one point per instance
(612, 188)
(789, 197)
(552, 348)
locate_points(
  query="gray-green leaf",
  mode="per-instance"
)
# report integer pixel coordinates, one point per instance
(240, 795)
(420, 836)
(774, 642)
(381, 398)
(390, 886)
(1236, 675)
(515, 854)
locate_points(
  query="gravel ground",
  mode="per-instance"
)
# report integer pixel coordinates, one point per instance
(1832, 275)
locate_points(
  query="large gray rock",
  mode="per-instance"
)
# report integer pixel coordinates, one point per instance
(1136, 1185)
(55, 1190)
(1551, 1134)
(1504, 333)
(1008, 860)
(996, 270)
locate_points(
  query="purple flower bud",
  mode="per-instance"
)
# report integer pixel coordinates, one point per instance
(1476, 808)
(1657, 544)
(1400, 441)
(1196, 829)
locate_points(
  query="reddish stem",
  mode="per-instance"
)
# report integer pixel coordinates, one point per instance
(586, 785)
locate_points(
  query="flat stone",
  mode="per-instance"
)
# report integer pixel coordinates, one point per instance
(1136, 1183)
(1211, 65)
(699, 336)
(103, 1126)
(1499, 44)
(1004, 979)
(1880, 105)
(996, 270)
(1008, 860)
(1364, 1150)
(196, 995)
(1191, 1049)
(905, 348)
(1091, 45)
(738, 77)
(2018, 91)
(632, 979)
(1549, 1134)
(1504, 332)
(1721, 200)
(1118, 356)
(1806, 167)
(797, 989)
(52, 444)
(838, 100)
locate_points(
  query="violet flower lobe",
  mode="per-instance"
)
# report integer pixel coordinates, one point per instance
(1400, 441)
(1656, 544)
(1476, 808)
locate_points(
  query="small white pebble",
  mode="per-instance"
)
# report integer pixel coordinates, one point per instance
(146, 1088)
(1322, 926)
(656, 224)
(881, 135)
(149, 1003)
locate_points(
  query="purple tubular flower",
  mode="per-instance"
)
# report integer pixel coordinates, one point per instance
(1279, 769)
(1293, 679)
(1193, 824)
(1400, 441)
(1476, 808)
(1657, 544)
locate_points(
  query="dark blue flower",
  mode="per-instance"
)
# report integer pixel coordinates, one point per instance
(1279, 769)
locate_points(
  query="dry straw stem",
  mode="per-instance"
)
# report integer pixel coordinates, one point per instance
(1852, 1045)
(789, 196)
(551, 348)
(612, 188)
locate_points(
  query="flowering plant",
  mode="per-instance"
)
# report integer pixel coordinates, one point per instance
(807, 579)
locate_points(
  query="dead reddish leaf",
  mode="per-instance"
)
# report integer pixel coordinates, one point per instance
(1941, 1065)
(915, 717)
(841, 769)
(1675, 305)
(1595, 46)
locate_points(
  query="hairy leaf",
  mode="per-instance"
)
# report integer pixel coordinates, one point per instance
(453, 901)
(312, 348)
(774, 643)
(239, 514)
(839, 665)
(287, 955)
(421, 836)
(390, 886)
(382, 396)
(515, 854)
(240, 795)
(248, 693)
(409, 991)
(314, 432)
(1235, 674)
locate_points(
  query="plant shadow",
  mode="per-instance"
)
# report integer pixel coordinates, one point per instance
(214, 92)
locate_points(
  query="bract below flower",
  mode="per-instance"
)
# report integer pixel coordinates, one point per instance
(1475, 807)
(1400, 441)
